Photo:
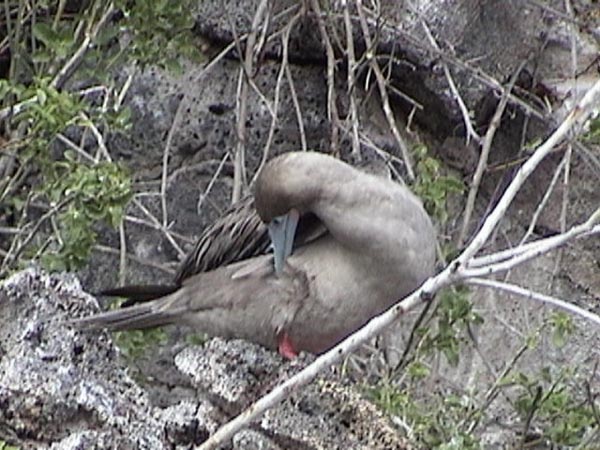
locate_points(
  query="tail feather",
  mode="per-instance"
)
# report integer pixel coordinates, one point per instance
(146, 315)
(139, 293)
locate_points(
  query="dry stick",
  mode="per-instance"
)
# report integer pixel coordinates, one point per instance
(544, 201)
(565, 197)
(332, 112)
(461, 104)
(246, 74)
(78, 149)
(122, 254)
(476, 73)
(202, 197)
(544, 246)
(274, 118)
(124, 90)
(493, 391)
(564, 16)
(532, 247)
(449, 275)
(239, 156)
(299, 118)
(155, 225)
(381, 84)
(159, 226)
(537, 296)
(483, 158)
(77, 57)
(351, 80)
(577, 116)
(97, 135)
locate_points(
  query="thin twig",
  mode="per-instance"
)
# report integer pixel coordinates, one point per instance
(66, 71)
(113, 251)
(493, 391)
(351, 58)
(159, 226)
(253, 50)
(543, 246)
(567, 158)
(99, 138)
(122, 254)
(544, 201)
(576, 117)
(470, 130)
(155, 225)
(537, 296)
(282, 70)
(381, 84)
(332, 111)
(297, 108)
(483, 157)
(239, 162)
(77, 148)
(202, 197)
(475, 72)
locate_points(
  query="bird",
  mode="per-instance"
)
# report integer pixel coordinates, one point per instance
(347, 245)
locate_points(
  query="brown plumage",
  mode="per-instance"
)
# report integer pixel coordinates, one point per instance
(236, 235)
(379, 245)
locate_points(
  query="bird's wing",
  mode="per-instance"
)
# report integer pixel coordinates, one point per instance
(237, 235)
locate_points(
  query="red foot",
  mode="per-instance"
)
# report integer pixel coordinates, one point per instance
(285, 347)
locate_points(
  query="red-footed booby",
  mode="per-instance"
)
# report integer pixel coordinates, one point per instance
(371, 243)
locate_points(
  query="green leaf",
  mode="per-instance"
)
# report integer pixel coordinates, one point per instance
(45, 33)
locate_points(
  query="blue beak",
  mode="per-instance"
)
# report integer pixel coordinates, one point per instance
(282, 230)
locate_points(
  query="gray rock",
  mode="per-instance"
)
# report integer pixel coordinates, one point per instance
(62, 388)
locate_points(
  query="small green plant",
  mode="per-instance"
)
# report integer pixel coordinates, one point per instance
(133, 344)
(593, 134)
(160, 31)
(433, 422)
(562, 327)
(96, 193)
(546, 400)
(432, 186)
(196, 338)
(454, 314)
(65, 47)
(5, 446)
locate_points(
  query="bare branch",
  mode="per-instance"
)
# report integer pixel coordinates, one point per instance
(381, 84)
(544, 200)
(71, 65)
(282, 70)
(332, 112)
(576, 117)
(471, 133)
(543, 246)
(483, 157)
(351, 80)
(537, 296)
